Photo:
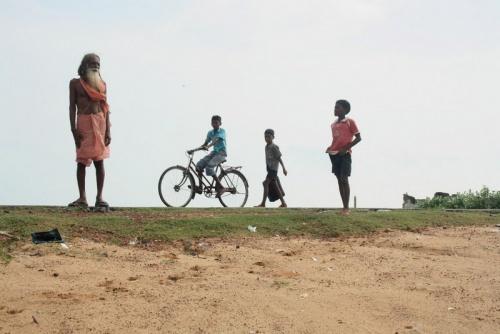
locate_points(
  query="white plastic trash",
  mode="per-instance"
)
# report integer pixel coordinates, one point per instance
(252, 228)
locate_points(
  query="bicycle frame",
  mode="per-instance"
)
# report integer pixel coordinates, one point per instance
(228, 176)
(207, 184)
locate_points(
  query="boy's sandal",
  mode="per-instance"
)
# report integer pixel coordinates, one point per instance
(101, 204)
(78, 204)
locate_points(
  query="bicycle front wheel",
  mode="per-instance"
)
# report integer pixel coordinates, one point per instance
(237, 189)
(176, 187)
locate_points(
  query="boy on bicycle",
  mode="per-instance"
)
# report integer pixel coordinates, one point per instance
(217, 139)
(273, 160)
(343, 131)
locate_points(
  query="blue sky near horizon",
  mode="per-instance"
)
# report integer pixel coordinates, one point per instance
(422, 77)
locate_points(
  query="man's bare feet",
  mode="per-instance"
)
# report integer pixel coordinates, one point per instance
(79, 203)
(283, 205)
(100, 203)
(345, 212)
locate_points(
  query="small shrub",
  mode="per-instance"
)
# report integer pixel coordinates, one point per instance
(482, 199)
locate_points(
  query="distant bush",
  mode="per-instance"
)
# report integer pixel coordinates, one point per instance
(482, 199)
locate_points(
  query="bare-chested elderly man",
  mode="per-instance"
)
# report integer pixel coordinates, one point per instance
(89, 119)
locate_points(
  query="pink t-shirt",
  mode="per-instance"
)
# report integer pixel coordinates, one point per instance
(342, 133)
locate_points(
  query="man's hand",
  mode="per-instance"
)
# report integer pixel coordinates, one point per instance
(77, 137)
(107, 139)
(204, 147)
(285, 171)
(342, 152)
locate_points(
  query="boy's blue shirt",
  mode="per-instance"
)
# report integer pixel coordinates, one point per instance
(221, 143)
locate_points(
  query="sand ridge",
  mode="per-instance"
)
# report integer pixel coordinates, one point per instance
(435, 281)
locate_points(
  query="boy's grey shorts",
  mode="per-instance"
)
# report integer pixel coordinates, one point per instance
(211, 161)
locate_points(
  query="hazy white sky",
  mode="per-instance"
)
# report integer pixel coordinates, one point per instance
(422, 78)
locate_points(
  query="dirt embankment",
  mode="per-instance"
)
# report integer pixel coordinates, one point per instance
(437, 281)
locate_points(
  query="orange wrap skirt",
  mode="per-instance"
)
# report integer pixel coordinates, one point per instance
(92, 129)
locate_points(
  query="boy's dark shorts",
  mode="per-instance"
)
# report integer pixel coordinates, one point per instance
(271, 174)
(341, 165)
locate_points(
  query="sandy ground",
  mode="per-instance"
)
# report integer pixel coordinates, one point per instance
(436, 281)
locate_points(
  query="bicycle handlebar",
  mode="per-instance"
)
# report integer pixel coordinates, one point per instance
(191, 152)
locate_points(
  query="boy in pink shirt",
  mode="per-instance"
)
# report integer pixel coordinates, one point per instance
(343, 131)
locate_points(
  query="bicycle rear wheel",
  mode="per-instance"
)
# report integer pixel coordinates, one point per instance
(176, 187)
(236, 184)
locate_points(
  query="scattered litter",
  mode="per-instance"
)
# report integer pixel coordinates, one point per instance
(172, 256)
(133, 242)
(497, 225)
(314, 259)
(329, 269)
(49, 236)
(36, 253)
(451, 308)
(285, 252)
(383, 210)
(252, 228)
(304, 295)
(174, 277)
(202, 247)
(64, 246)
(34, 319)
(7, 234)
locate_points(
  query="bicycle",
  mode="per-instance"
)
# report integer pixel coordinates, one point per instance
(177, 186)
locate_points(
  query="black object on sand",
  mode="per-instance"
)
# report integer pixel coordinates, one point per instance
(49, 236)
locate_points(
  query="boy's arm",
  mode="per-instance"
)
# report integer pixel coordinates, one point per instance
(356, 140)
(283, 166)
(201, 147)
(206, 145)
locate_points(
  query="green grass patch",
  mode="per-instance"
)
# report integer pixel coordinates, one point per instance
(164, 224)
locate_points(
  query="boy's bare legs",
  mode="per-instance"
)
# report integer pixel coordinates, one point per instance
(266, 192)
(283, 203)
(218, 186)
(345, 192)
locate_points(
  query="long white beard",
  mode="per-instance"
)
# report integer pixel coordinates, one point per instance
(94, 79)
